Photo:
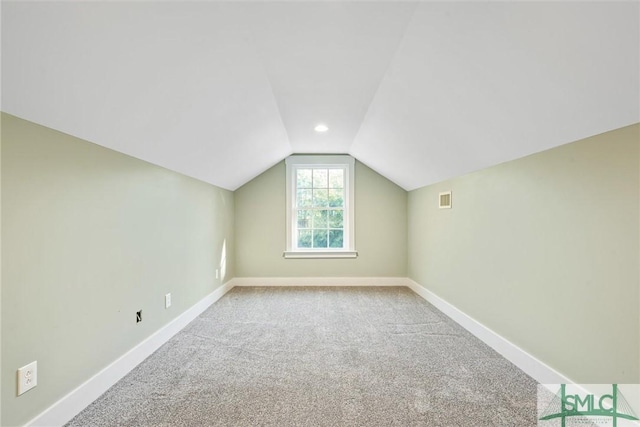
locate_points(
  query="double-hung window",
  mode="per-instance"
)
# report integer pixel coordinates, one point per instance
(320, 211)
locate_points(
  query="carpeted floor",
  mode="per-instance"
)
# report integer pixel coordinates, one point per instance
(320, 356)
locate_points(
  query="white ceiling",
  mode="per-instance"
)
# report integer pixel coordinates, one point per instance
(421, 92)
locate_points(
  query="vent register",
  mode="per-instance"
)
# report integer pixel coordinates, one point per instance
(444, 200)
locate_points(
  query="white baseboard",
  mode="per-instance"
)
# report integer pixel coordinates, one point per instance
(320, 281)
(533, 367)
(73, 403)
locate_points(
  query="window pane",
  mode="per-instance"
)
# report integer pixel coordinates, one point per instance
(303, 179)
(335, 238)
(304, 238)
(336, 199)
(319, 204)
(304, 198)
(319, 238)
(320, 178)
(320, 198)
(335, 219)
(320, 219)
(304, 218)
(336, 178)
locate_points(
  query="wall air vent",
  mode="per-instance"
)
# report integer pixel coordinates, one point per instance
(444, 200)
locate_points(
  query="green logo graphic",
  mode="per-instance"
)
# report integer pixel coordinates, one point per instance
(613, 406)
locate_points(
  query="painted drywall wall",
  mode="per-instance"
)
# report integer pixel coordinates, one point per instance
(90, 236)
(544, 250)
(0, 272)
(380, 230)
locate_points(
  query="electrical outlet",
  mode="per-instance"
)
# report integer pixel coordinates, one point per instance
(217, 273)
(138, 316)
(27, 377)
(167, 300)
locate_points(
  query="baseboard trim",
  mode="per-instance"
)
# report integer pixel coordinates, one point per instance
(533, 367)
(320, 281)
(73, 403)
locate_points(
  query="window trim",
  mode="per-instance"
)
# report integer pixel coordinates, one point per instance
(320, 161)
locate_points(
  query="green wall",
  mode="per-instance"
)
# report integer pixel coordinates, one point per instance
(544, 251)
(89, 237)
(380, 230)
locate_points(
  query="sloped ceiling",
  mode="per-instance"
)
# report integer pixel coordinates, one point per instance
(420, 92)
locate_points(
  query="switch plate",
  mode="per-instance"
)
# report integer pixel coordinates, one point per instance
(27, 377)
(217, 273)
(167, 300)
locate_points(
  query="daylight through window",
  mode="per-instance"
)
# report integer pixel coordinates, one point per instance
(320, 208)
(320, 212)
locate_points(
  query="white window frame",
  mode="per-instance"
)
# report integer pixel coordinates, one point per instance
(293, 163)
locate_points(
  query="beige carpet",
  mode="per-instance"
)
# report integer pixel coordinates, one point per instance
(320, 356)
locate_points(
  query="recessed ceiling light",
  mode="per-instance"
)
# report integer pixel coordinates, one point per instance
(321, 128)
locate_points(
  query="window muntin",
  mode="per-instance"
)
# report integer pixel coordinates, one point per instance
(319, 206)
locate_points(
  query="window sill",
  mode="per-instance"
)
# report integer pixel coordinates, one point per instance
(320, 254)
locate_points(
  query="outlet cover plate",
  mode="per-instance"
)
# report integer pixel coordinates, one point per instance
(167, 300)
(27, 377)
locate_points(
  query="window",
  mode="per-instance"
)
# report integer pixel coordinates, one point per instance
(320, 220)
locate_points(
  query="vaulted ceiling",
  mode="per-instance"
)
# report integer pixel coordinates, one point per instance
(420, 92)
